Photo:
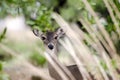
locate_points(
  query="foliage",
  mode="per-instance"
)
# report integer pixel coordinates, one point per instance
(104, 65)
(43, 20)
(37, 59)
(3, 76)
(36, 14)
(1, 66)
(117, 2)
(2, 36)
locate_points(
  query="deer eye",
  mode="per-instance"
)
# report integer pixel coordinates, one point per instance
(56, 37)
(61, 30)
(43, 37)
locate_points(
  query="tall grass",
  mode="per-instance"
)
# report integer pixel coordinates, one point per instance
(93, 52)
(99, 48)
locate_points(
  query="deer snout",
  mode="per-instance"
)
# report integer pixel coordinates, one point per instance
(50, 46)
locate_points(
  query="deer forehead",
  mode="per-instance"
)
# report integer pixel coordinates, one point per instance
(50, 35)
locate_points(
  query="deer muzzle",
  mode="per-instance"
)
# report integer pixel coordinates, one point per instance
(50, 46)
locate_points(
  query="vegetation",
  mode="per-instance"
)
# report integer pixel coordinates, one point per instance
(92, 29)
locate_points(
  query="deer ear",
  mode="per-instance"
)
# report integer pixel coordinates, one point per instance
(37, 32)
(60, 32)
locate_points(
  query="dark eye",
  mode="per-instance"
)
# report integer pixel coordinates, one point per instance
(56, 37)
(61, 30)
(43, 37)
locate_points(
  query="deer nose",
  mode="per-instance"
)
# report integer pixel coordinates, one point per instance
(50, 46)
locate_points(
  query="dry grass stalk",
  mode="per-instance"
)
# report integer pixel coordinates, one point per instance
(114, 8)
(103, 31)
(97, 38)
(92, 42)
(56, 67)
(100, 26)
(20, 58)
(62, 70)
(77, 60)
(109, 8)
(95, 57)
(71, 35)
(76, 40)
(91, 32)
(104, 57)
(80, 46)
(101, 68)
(112, 70)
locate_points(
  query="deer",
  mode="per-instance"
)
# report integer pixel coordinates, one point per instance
(50, 40)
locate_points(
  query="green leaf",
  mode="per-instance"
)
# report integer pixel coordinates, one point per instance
(114, 64)
(30, 22)
(104, 65)
(2, 36)
(1, 66)
(38, 59)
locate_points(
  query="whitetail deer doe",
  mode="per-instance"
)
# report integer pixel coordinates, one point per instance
(50, 40)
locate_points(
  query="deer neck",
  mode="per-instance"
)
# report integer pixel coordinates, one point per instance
(53, 73)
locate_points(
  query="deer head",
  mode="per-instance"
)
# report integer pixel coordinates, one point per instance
(50, 38)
